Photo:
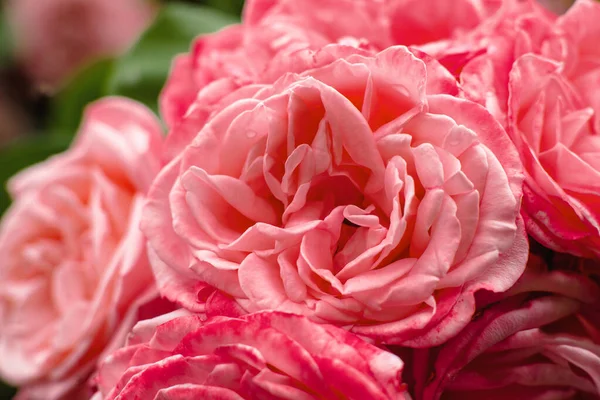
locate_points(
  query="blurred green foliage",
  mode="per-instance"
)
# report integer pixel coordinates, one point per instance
(86, 86)
(139, 74)
(5, 42)
(229, 6)
(25, 152)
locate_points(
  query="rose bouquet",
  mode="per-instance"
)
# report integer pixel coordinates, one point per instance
(354, 199)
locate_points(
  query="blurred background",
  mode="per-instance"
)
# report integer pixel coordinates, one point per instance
(56, 56)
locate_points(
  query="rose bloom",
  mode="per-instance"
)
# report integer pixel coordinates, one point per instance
(356, 192)
(74, 262)
(240, 53)
(54, 38)
(553, 119)
(542, 341)
(548, 103)
(454, 32)
(518, 28)
(268, 355)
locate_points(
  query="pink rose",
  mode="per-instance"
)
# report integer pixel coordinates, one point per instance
(357, 193)
(212, 57)
(553, 117)
(454, 32)
(449, 31)
(519, 27)
(55, 37)
(540, 342)
(381, 23)
(548, 102)
(74, 260)
(267, 355)
(240, 53)
(558, 142)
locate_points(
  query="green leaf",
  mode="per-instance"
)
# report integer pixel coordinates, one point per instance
(25, 152)
(6, 46)
(229, 6)
(142, 72)
(87, 85)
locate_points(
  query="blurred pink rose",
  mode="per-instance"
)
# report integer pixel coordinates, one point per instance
(542, 341)
(357, 193)
(267, 355)
(55, 37)
(74, 259)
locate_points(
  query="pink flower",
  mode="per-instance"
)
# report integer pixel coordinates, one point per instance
(56, 37)
(540, 342)
(449, 31)
(267, 355)
(355, 191)
(74, 263)
(519, 27)
(454, 32)
(548, 103)
(553, 119)
(241, 52)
